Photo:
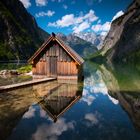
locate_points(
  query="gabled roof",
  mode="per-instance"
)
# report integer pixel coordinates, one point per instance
(67, 48)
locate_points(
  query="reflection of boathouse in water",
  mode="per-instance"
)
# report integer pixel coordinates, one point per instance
(58, 99)
(53, 97)
(56, 59)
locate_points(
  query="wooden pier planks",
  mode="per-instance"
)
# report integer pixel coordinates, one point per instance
(18, 85)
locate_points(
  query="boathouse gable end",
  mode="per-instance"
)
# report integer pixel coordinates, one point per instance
(56, 59)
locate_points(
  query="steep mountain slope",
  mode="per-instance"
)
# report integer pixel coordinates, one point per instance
(19, 33)
(123, 40)
(81, 46)
(91, 37)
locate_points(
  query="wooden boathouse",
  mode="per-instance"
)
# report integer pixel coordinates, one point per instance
(56, 59)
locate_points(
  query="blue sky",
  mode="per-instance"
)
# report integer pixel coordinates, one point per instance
(74, 16)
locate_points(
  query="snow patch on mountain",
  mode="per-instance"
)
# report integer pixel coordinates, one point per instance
(91, 37)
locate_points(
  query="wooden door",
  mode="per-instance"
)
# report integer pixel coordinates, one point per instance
(53, 66)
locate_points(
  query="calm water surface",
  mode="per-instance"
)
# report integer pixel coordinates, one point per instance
(106, 106)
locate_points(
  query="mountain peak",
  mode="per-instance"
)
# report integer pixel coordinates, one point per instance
(91, 37)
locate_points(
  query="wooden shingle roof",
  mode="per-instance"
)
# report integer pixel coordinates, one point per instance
(67, 48)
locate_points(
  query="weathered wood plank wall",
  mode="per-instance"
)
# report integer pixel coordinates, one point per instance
(55, 61)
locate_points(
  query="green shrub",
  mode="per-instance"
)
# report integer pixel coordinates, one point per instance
(25, 69)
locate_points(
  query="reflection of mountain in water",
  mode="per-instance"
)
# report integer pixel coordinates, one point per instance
(94, 84)
(123, 83)
(59, 98)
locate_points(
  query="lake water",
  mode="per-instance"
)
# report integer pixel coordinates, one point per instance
(106, 106)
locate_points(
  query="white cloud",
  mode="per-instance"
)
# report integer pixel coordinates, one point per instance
(118, 14)
(49, 13)
(103, 33)
(81, 27)
(55, 130)
(102, 28)
(106, 26)
(43, 114)
(30, 113)
(66, 21)
(41, 2)
(26, 3)
(52, 24)
(88, 99)
(91, 16)
(92, 118)
(96, 28)
(65, 6)
(79, 23)
(100, 88)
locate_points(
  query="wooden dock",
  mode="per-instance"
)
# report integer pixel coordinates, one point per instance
(23, 84)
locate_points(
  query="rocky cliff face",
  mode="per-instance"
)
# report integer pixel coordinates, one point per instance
(20, 35)
(123, 40)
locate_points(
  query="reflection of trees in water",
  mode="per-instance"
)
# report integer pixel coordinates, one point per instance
(123, 83)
